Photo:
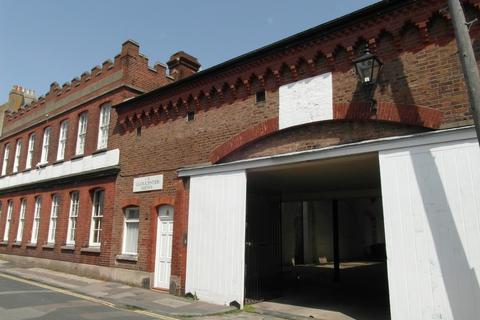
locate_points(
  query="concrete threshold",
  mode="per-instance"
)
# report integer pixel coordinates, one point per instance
(290, 312)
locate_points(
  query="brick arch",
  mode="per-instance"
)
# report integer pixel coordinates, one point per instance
(386, 111)
(161, 200)
(129, 202)
(256, 132)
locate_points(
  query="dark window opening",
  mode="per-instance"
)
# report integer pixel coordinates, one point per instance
(190, 116)
(260, 97)
(139, 131)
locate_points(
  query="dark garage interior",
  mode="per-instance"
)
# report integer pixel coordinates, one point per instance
(315, 242)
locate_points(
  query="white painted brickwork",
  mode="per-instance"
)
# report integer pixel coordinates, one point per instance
(61, 170)
(306, 101)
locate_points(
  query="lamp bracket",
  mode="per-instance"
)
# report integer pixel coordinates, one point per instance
(470, 23)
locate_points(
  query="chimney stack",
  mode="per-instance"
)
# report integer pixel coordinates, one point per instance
(182, 65)
(19, 97)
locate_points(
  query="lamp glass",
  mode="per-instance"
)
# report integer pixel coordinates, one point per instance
(367, 67)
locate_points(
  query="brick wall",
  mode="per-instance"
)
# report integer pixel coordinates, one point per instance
(421, 73)
(420, 70)
(127, 76)
(85, 190)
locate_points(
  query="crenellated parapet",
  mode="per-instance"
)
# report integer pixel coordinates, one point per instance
(128, 68)
(400, 29)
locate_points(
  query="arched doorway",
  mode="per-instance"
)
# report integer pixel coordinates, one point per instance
(163, 256)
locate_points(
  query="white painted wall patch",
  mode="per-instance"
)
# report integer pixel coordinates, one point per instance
(305, 101)
(65, 169)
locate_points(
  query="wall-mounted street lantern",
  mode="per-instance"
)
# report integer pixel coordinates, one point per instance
(368, 67)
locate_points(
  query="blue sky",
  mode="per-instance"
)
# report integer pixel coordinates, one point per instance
(57, 40)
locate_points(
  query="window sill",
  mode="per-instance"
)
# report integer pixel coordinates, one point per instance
(70, 247)
(31, 245)
(59, 161)
(27, 169)
(17, 244)
(127, 257)
(99, 151)
(91, 249)
(3, 243)
(48, 246)
(42, 164)
(77, 156)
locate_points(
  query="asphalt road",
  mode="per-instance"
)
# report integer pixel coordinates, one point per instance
(20, 300)
(24, 299)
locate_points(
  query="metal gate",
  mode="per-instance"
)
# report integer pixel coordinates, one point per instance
(263, 250)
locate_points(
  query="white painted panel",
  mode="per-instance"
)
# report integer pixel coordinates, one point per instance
(306, 101)
(432, 229)
(216, 237)
(64, 169)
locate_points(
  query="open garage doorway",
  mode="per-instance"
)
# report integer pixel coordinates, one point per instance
(315, 241)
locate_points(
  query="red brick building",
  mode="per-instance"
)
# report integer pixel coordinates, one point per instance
(58, 163)
(292, 98)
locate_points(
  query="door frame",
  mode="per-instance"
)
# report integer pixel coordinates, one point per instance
(154, 211)
(156, 242)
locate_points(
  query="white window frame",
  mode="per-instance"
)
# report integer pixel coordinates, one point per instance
(129, 220)
(72, 217)
(45, 145)
(103, 126)
(81, 133)
(18, 153)
(30, 151)
(62, 140)
(36, 219)
(52, 225)
(8, 221)
(6, 155)
(97, 217)
(21, 220)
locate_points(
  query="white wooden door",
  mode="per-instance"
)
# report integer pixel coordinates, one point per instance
(163, 255)
(431, 211)
(216, 237)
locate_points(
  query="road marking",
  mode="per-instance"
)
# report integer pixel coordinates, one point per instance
(85, 297)
(21, 291)
(154, 315)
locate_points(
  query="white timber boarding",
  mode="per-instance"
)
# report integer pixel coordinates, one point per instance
(432, 227)
(64, 169)
(430, 186)
(216, 237)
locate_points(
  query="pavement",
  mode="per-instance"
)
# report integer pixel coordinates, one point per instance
(118, 294)
(37, 293)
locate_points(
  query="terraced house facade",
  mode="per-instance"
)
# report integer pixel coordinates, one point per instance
(59, 167)
(234, 182)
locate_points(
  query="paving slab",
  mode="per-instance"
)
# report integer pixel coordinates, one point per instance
(117, 293)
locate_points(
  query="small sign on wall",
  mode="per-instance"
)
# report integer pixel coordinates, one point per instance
(148, 183)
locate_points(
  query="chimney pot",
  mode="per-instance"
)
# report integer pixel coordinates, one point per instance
(182, 65)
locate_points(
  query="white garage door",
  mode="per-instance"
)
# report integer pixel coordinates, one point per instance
(431, 198)
(216, 237)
